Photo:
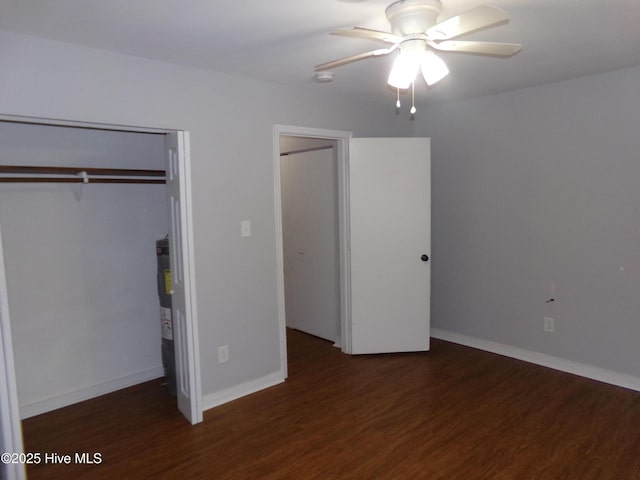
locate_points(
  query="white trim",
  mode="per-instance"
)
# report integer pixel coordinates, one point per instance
(9, 410)
(238, 391)
(557, 363)
(79, 124)
(342, 150)
(277, 194)
(69, 398)
(344, 232)
(193, 344)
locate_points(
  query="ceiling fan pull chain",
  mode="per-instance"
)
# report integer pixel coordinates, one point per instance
(398, 101)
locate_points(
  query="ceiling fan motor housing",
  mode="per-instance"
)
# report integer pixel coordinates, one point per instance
(413, 16)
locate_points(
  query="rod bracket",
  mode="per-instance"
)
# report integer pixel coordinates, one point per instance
(83, 174)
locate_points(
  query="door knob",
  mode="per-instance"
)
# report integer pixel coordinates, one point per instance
(424, 257)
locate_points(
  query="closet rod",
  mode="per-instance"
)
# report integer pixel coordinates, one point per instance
(79, 180)
(121, 172)
(305, 150)
(79, 175)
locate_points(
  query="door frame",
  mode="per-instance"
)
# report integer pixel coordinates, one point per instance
(342, 149)
(192, 342)
(9, 411)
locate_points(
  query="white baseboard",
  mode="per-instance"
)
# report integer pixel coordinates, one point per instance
(587, 371)
(247, 388)
(59, 401)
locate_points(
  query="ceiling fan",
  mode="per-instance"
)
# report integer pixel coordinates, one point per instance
(415, 33)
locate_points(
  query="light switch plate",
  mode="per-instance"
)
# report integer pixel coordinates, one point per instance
(245, 228)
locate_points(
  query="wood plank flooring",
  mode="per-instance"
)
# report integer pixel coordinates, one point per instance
(453, 413)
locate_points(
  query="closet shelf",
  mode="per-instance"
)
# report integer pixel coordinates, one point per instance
(9, 174)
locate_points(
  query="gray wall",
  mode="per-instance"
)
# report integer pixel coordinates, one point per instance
(80, 265)
(536, 195)
(231, 123)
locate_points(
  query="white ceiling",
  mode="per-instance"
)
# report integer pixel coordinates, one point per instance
(282, 40)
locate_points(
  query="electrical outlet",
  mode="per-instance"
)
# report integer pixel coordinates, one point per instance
(223, 354)
(549, 325)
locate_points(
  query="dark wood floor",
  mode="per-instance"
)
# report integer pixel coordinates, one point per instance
(453, 413)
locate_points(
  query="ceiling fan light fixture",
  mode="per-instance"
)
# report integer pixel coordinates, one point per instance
(433, 68)
(416, 34)
(406, 67)
(404, 71)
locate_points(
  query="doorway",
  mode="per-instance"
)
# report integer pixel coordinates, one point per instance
(180, 177)
(384, 284)
(312, 139)
(77, 256)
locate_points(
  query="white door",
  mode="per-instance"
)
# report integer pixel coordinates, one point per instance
(182, 283)
(11, 437)
(310, 237)
(390, 231)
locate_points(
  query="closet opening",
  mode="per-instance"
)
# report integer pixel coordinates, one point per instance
(81, 209)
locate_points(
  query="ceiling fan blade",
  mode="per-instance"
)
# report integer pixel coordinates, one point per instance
(368, 34)
(477, 18)
(495, 49)
(354, 58)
